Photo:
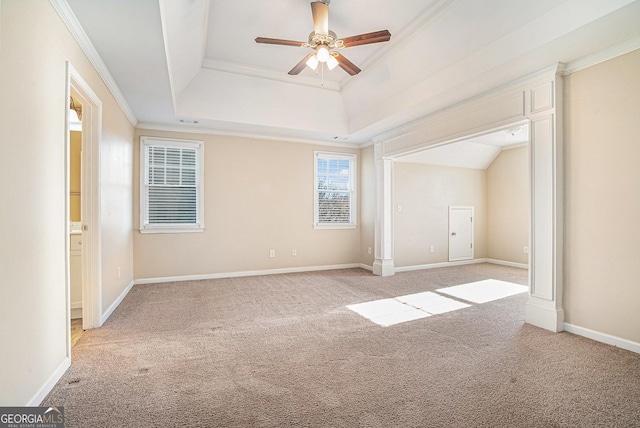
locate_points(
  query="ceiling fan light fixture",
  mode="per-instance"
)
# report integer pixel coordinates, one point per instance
(312, 62)
(332, 62)
(323, 54)
(322, 41)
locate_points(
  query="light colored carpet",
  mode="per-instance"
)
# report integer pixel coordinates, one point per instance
(284, 350)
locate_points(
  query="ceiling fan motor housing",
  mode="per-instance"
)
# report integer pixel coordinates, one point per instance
(330, 40)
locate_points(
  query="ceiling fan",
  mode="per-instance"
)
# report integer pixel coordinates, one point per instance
(323, 41)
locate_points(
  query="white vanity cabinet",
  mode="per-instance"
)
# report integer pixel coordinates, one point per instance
(75, 268)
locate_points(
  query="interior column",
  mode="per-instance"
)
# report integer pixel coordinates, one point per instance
(383, 263)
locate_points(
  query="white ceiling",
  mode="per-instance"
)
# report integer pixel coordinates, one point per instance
(196, 60)
(477, 152)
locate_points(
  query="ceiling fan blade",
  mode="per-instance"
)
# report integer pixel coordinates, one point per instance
(346, 65)
(300, 66)
(278, 41)
(365, 39)
(320, 13)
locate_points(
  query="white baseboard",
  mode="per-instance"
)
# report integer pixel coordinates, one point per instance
(50, 383)
(247, 273)
(366, 267)
(603, 337)
(439, 265)
(76, 310)
(115, 304)
(506, 263)
(460, 263)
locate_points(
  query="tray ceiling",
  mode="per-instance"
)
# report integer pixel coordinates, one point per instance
(196, 60)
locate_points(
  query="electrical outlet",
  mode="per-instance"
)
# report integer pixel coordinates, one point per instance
(399, 208)
(369, 250)
(525, 249)
(432, 249)
(118, 272)
(272, 253)
(294, 252)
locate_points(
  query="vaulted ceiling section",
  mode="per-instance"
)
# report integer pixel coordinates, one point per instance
(178, 62)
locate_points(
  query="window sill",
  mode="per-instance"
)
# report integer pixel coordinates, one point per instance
(335, 226)
(176, 229)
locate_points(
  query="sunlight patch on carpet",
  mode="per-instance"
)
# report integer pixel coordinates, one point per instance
(484, 291)
(386, 312)
(432, 303)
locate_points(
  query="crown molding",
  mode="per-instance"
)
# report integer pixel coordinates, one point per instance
(418, 23)
(78, 33)
(602, 56)
(262, 73)
(194, 129)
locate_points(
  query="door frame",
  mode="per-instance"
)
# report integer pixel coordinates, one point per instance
(451, 209)
(90, 200)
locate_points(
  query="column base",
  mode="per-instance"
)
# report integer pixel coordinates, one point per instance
(549, 318)
(383, 268)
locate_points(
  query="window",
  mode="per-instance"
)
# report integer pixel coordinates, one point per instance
(335, 190)
(171, 186)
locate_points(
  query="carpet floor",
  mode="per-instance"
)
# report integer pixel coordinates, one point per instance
(285, 351)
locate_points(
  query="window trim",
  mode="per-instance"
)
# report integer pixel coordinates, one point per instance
(144, 227)
(353, 159)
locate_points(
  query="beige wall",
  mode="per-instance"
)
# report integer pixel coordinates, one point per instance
(367, 205)
(602, 197)
(75, 151)
(258, 196)
(33, 227)
(508, 206)
(425, 193)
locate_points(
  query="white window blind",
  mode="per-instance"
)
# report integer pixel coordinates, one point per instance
(172, 185)
(335, 189)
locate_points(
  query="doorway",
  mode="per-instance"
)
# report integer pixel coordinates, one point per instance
(460, 233)
(86, 232)
(75, 216)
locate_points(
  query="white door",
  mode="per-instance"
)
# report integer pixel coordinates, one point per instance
(460, 233)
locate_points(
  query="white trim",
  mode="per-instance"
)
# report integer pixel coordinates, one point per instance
(67, 209)
(337, 226)
(602, 56)
(78, 33)
(460, 263)
(473, 228)
(441, 117)
(439, 265)
(352, 158)
(261, 73)
(506, 263)
(46, 388)
(170, 229)
(196, 129)
(76, 310)
(543, 313)
(91, 250)
(603, 337)
(366, 267)
(247, 273)
(198, 226)
(116, 303)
